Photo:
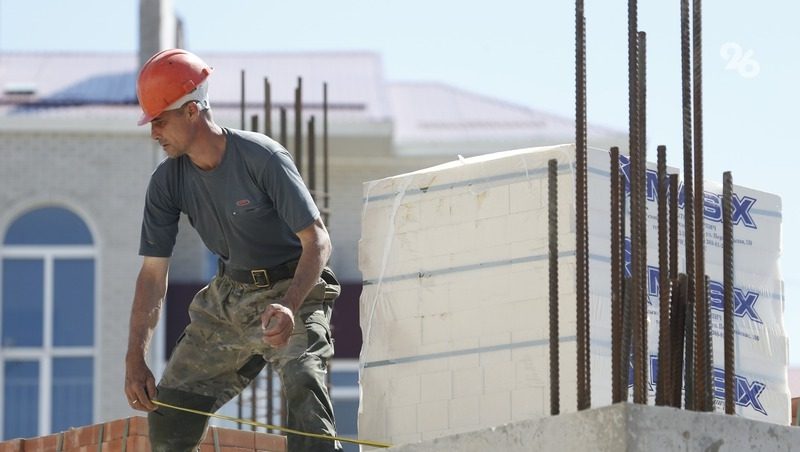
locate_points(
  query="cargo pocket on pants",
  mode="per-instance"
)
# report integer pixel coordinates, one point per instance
(319, 336)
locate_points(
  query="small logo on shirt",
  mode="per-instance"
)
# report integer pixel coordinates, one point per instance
(243, 202)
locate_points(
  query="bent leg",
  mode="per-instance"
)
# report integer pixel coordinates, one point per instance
(207, 368)
(178, 431)
(304, 381)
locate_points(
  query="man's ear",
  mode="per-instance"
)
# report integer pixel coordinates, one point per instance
(193, 110)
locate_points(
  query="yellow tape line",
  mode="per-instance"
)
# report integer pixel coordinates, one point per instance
(274, 427)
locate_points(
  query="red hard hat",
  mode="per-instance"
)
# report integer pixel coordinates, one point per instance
(166, 77)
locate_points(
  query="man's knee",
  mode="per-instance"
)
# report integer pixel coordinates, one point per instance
(174, 430)
(307, 372)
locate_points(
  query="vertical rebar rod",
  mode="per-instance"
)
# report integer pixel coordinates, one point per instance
(708, 363)
(616, 253)
(312, 159)
(284, 127)
(672, 183)
(243, 103)
(677, 317)
(727, 283)
(641, 49)
(679, 331)
(627, 328)
(298, 125)
(267, 108)
(270, 396)
(254, 123)
(635, 186)
(253, 403)
(663, 387)
(582, 226)
(688, 196)
(641, 244)
(552, 216)
(325, 167)
(703, 377)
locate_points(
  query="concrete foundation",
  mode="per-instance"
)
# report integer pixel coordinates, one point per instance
(622, 427)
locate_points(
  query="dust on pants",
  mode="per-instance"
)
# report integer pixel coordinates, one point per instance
(221, 351)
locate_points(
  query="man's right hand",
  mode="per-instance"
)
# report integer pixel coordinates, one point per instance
(140, 385)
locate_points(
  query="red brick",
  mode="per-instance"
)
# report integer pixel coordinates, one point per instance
(137, 426)
(14, 445)
(75, 438)
(134, 444)
(114, 445)
(138, 444)
(47, 443)
(266, 442)
(114, 430)
(233, 438)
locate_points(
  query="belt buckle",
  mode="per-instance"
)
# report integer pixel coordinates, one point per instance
(260, 278)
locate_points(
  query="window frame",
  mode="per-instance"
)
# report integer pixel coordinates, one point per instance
(45, 354)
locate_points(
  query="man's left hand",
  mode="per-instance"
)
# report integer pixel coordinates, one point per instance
(277, 324)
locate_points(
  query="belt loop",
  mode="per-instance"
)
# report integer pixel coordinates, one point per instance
(220, 267)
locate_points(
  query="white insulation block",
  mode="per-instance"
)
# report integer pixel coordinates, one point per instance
(454, 309)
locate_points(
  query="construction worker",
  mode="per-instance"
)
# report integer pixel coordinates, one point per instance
(272, 297)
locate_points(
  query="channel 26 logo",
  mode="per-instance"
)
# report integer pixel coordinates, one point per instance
(740, 60)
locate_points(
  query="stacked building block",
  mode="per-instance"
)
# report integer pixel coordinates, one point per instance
(454, 309)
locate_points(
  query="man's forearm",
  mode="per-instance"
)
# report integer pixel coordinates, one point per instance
(316, 252)
(144, 316)
(306, 276)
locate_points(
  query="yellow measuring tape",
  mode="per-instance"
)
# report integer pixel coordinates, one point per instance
(274, 427)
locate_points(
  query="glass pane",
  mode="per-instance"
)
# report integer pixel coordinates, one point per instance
(21, 391)
(48, 226)
(72, 393)
(23, 302)
(346, 411)
(73, 306)
(341, 377)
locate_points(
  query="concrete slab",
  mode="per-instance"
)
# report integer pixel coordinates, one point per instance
(622, 427)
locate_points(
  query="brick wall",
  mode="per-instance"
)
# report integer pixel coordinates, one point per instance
(130, 435)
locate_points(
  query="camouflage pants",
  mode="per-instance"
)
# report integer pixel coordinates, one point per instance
(221, 351)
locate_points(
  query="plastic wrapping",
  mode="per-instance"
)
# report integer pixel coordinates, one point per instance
(454, 308)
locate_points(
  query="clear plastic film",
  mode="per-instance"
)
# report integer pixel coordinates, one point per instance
(454, 306)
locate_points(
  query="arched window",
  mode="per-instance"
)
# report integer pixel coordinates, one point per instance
(47, 323)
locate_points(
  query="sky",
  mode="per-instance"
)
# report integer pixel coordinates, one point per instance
(521, 52)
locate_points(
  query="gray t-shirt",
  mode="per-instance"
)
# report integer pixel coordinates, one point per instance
(246, 210)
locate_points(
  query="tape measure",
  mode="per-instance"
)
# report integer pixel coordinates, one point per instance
(275, 427)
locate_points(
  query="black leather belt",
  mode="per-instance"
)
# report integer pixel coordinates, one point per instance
(261, 277)
(269, 276)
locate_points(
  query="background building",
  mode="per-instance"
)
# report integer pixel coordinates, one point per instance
(72, 182)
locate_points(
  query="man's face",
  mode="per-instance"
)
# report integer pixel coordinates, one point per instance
(172, 130)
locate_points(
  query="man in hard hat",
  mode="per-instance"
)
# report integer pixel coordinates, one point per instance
(272, 297)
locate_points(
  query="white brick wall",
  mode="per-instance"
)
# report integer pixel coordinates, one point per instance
(102, 178)
(456, 295)
(455, 263)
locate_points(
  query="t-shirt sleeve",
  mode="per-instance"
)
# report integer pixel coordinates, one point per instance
(282, 183)
(159, 223)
